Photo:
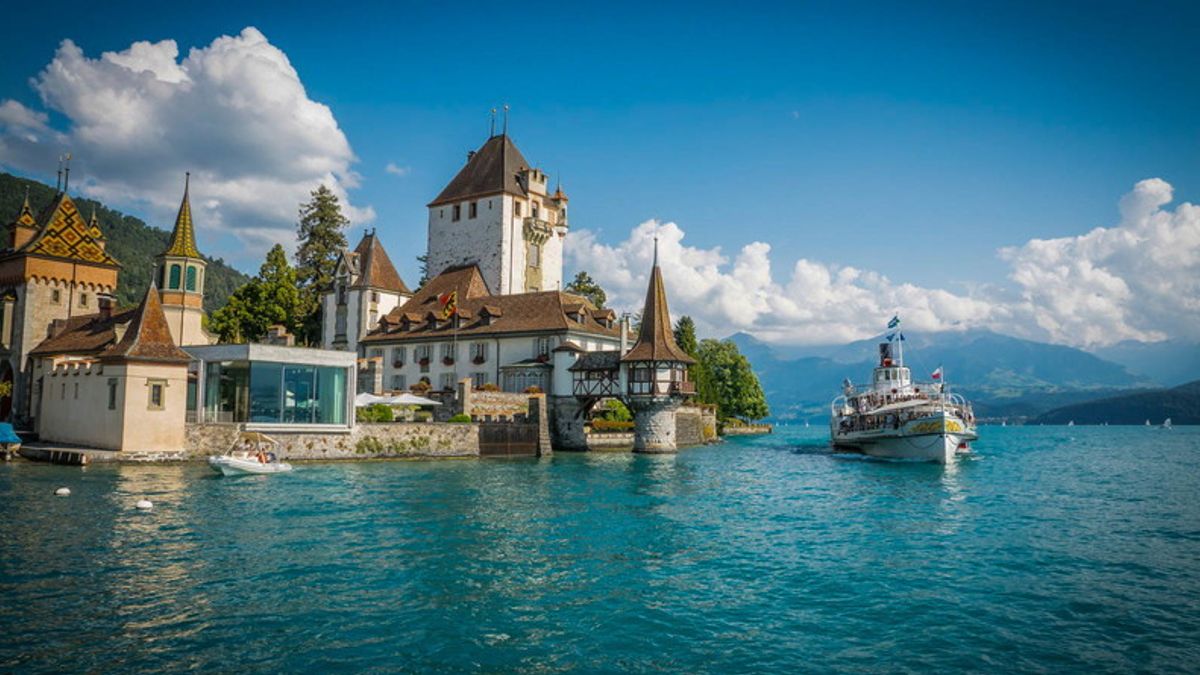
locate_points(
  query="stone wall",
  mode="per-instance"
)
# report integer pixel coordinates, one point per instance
(567, 430)
(366, 441)
(654, 425)
(620, 441)
(747, 430)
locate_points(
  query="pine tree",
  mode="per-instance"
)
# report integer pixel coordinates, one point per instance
(321, 242)
(583, 285)
(268, 299)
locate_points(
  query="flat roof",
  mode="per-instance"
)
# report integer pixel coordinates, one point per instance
(308, 356)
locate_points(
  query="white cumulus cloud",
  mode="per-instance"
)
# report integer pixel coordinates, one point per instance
(816, 303)
(235, 113)
(397, 170)
(1137, 280)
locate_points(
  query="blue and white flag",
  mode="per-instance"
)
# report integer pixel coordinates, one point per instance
(894, 322)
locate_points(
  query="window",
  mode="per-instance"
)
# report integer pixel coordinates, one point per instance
(517, 207)
(112, 393)
(479, 378)
(376, 353)
(174, 281)
(422, 354)
(489, 205)
(534, 208)
(62, 392)
(447, 381)
(448, 350)
(473, 209)
(479, 352)
(398, 356)
(372, 319)
(399, 383)
(341, 296)
(374, 296)
(157, 394)
(83, 299)
(191, 278)
(533, 255)
(541, 347)
(456, 212)
(76, 394)
(56, 296)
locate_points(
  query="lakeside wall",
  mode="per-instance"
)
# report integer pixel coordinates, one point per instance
(365, 441)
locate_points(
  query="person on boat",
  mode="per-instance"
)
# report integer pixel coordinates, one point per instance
(262, 456)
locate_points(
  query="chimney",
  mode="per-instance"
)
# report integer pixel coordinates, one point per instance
(624, 333)
(106, 302)
(470, 155)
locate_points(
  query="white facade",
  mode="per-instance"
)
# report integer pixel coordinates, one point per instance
(509, 362)
(353, 313)
(517, 241)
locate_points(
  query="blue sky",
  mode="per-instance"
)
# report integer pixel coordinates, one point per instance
(910, 141)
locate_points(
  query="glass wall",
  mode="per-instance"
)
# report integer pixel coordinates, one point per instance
(274, 393)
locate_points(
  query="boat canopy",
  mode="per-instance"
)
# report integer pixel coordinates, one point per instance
(901, 405)
(256, 437)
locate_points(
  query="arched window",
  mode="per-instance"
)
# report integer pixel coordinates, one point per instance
(191, 278)
(174, 281)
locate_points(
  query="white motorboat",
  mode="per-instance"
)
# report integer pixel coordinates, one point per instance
(896, 418)
(252, 452)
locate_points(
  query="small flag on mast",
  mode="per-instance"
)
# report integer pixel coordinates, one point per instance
(894, 322)
(449, 302)
(937, 374)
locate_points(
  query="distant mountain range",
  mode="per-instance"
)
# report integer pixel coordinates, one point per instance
(1168, 363)
(131, 241)
(1005, 377)
(1181, 404)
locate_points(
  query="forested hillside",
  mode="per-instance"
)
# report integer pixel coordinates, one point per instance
(130, 241)
(1181, 404)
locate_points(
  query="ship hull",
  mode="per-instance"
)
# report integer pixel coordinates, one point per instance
(934, 439)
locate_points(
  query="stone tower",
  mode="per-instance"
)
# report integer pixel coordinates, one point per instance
(499, 213)
(655, 371)
(181, 279)
(53, 267)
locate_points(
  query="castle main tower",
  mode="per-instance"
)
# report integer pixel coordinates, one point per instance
(181, 279)
(499, 213)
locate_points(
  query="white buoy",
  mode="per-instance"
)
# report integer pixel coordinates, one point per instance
(144, 504)
(62, 492)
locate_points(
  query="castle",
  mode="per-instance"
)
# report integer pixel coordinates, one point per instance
(494, 310)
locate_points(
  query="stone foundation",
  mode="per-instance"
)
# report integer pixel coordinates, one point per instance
(654, 425)
(567, 431)
(366, 441)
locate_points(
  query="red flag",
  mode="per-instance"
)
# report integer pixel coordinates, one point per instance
(937, 374)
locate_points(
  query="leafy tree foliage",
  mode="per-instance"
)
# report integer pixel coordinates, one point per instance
(322, 240)
(725, 378)
(583, 285)
(268, 299)
(423, 261)
(685, 335)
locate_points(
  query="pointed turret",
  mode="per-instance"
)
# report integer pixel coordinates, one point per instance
(183, 237)
(656, 338)
(23, 227)
(148, 337)
(181, 277)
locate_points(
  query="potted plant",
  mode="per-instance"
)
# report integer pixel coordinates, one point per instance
(479, 359)
(447, 360)
(424, 361)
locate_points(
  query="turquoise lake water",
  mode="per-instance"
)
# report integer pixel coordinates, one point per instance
(1054, 549)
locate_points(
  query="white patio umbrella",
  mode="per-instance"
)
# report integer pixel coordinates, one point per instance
(412, 399)
(364, 399)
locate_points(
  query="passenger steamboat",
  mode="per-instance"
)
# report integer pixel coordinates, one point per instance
(896, 418)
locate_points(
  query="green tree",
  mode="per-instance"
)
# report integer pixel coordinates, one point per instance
(423, 262)
(685, 335)
(583, 285)
(728, 381)
(321, 242)
(268, 299)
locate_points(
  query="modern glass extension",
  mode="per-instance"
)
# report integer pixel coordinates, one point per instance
(271, 385)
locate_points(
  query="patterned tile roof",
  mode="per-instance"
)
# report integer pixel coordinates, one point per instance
(65, 234)
(25, 217)
(183, 237)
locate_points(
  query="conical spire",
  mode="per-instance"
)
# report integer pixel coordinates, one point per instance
(183, 238)
(148, 338)
(656, 339)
